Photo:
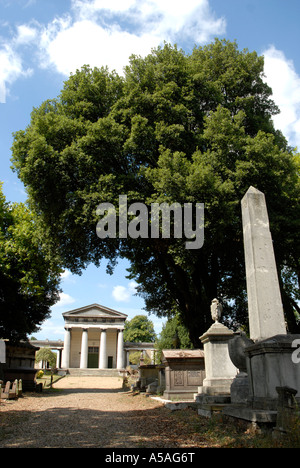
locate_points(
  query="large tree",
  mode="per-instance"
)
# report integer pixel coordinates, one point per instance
(139, 329)
(29, 273)
(176, 128)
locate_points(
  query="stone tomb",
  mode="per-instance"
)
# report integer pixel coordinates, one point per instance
(20, 359)
(270, 365)
(184, 373)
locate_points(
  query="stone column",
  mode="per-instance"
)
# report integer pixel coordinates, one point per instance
(266, 317)
(103, 352)
(120, 356)
(58, 358)
(67, 348)
(84, 349)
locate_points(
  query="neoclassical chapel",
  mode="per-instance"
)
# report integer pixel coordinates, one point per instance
(93, 338)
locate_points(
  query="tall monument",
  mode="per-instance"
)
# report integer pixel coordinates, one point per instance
(266, 317)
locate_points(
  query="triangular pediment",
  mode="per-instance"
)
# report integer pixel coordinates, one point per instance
(94, 311)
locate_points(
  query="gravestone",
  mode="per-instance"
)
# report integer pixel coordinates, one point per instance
(265, 309)
(184, 372)
(5, 391)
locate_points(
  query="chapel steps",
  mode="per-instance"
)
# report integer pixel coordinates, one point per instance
(93, 372)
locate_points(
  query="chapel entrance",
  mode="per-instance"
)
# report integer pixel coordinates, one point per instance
(93, 357)
(110, 362)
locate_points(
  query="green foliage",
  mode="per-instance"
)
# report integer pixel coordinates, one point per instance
(177, 128)
(29, 274)
(174, 335)
(135, 358)
(139, 329)
(45, 354)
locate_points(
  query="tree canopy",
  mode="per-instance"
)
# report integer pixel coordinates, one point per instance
(29, 275)
(179, 128)
(139, 329)
(46, 355)
(174, 335)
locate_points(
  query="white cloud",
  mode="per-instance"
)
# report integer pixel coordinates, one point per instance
(87, 43)
(68, 277)
(285, 83)
(25, 34)
(11, 68)
(122, 293)
(104, 33)
(51, 330)
(100, 33)
(85, 8)
(65, 275)
(11, 60)
(162, 19)
(64, 300)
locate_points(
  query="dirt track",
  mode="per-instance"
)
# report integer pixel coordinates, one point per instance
(90, 412)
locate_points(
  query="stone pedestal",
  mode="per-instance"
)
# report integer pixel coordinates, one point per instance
(271, 364)
(219, 369)
(240, 389)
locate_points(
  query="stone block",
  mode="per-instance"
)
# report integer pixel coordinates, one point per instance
(270, 364)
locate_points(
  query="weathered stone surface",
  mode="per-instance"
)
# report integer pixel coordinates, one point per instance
(266, 316)
(184, 372)
(219, 368)
(270, 364)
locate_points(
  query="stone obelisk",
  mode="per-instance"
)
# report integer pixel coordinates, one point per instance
(265, 309)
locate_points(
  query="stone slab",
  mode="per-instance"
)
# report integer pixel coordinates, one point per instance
(250, 414)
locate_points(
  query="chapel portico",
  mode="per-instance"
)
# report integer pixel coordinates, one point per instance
(93, 338)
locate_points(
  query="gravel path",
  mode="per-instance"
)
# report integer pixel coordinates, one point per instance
(90, 412)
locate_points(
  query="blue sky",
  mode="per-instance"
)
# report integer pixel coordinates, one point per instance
(43, 41)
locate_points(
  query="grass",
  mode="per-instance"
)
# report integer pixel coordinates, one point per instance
(46, 379)
(217, 432)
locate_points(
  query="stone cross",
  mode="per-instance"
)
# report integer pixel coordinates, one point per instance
(265, 309)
